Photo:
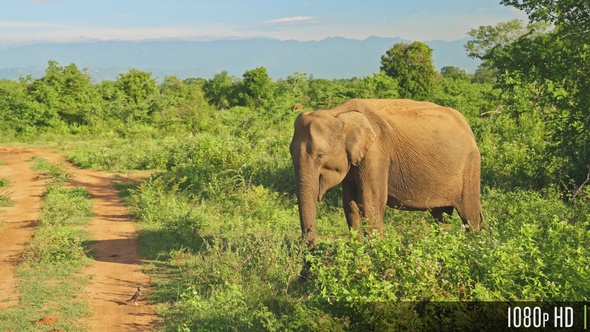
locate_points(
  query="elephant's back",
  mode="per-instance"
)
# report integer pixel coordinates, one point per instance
(400, 107)
(410, 116)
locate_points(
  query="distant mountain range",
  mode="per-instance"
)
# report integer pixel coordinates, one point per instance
(329, 58)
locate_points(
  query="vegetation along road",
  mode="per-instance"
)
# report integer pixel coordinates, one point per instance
(115, 270)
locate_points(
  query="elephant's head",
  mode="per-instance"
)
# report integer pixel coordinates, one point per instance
(324, 146)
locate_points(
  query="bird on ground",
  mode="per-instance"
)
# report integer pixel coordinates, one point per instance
(136, 296)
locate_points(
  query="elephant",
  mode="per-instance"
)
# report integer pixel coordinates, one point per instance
(405, 154)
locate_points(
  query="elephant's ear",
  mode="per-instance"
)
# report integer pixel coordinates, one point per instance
(358, 135)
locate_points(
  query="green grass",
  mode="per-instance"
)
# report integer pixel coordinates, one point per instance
(49, 277)
(5, 193)
(4, 196)
(54, 173)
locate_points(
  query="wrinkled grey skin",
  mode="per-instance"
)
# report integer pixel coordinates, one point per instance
(399, 153)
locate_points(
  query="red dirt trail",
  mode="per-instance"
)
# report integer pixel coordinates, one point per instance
(116, 272)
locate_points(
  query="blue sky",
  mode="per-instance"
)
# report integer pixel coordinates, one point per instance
(74, 20)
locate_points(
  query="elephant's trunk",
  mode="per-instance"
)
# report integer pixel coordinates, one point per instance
(307, 195)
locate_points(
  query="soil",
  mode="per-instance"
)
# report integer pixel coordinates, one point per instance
(47, 320)
(116, 272)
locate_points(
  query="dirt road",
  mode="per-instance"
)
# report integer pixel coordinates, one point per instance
(117, 270)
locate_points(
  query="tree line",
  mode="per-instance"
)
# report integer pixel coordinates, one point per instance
(65, 100)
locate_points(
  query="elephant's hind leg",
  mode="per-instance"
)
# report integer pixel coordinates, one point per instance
(470, 207)
(437, 213)
(472, 217)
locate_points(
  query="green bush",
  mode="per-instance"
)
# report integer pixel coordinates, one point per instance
(163, 205)
(57, 244)
(56, 241)
(513, 149)
(121, 154)
(77, 211)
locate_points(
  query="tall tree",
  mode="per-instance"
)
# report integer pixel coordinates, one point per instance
(412, 67)
(137, 85)
(258, 88)
(66, 92)
(140, 90)
(219, 90)
(16, 113)
(548, 71)
(572, 16)
(181, 104)
(455, 73)
(489, 39)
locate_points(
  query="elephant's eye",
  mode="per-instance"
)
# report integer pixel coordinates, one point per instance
(320, 155)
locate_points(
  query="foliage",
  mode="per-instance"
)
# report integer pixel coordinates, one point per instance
(56, 240)
(513, 149)
(16, 113)
(257, 88)
(219, 90)
(411, 65)
(471, 98)
(181, 106)
(65, 94)
(490, 38)
(574, 15)
(163, 205)
(454, 73)
(542, 72)
(77, 211)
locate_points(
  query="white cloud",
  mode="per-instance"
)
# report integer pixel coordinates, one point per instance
(54, 33)
(289, 20)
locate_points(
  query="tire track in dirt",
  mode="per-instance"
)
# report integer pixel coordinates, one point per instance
(116, 271)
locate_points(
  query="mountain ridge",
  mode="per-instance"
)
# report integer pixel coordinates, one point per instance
(331, 58)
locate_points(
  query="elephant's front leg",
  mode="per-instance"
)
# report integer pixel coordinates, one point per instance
(373, 199)
(351, 208)
(373, 212)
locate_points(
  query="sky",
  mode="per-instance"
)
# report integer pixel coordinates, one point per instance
(26, 21)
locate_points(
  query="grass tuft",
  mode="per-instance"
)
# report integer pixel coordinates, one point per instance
(53, 173)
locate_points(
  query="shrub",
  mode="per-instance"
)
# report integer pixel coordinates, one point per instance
(56, 241)
(163, 205)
